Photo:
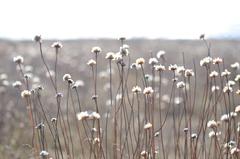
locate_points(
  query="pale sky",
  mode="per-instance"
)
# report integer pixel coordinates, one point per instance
(70, 19)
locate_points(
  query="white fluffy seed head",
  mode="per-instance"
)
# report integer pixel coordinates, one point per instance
(147, 126)
(66, 77)
(25, 93)
(57, 45)
(140, 61)
(110, 55)
(96, 50)
(148, 90)
(136, 89)
(91, 62)
(18, 59)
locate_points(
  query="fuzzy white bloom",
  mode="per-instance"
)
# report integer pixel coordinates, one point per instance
(148, 90)
(153, 61)
(124, 50)
(140, 61)
(147, 126)
(233, 114)
(217, 60)
(225, 73)
(230, 144)
(57, 45)
(88, 115)
(235, 150)
(205, 61)
(215, 88)
(194, 136)
(212, 134)
(66, 77)
(53, 119)
(189, 73)
(91, 62)
(227, 89)
(212, 124)
(25, 93)
(237, 78)
(96, 140)
(43, 153)
(237, 109)
(180, 84)
(144, 153)
(118, 56)
(78, 83)
(172, 67)
(160, 54)
(17, 84)
(96, 50)
(159, 68)
(136, 89)
(213, 74)
(238, 92)
(110, 55)
(18, 59)
(180, 69)
(225, 117)
(235, 65)
(231, 83)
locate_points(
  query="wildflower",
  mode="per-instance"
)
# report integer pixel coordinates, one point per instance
(144, 153)
(96, 140)
(215, 88)
(38, 38)
(18, 59)
(70, 81)
(94, 115)
(227, 89)
(212, 134)
(122, 38)
(225, 73)
(235, 65)
(66, 77)
(160, 54)
(233, 114)
(136, 89)
(230, 144)
(110, 56)
(82, 115)
(225, 117)
(147, 126)
(194, 136)
(217, 60)
(237, 109)
(185, 130)
(212, 124)
(25, 93)
(148, 91)
(57, 45)
(231, 83)
(88, 115)
(124, 50)
(153, 61)
(180, 69)
(180, 84)
(237, 78)
(118, 56)
(40, 126)
(59, 95)
(91, 62)
(156, 134)
(159, 68)
(94, 97)
(78, 83)
(189, 73)
(235, 150)
(238, 92)
(205, 61)
(213, 74)
(140, 61)
(43, 153)
(96, 50)
(53, 120)
(17, 84)
(172, 67)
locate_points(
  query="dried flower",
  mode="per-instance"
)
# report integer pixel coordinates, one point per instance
(153, 61)
(237, 78)
(180, 84)
(215, 88)
(91, 62)
(172, 67)
(213, 74)
(57, 45)
(17, 84)
(235, 65)
(140, 61)
(147, 126)
(136, 89)
(25, 93)
(66, 77)
(18, 59)
(44, 153)
(160, 54)
(159, 68)
(148, 91)
(212, 124)
(180, 69)
(205, 61)
(96, 50)
(38, 38)
(110, 56)
(189, 73)
(217, 60)
(225, 73)
(227, 89)
(194, 136)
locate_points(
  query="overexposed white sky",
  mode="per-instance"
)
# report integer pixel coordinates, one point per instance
(70, 19)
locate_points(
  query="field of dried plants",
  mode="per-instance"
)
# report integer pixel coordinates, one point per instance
(120, 99)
